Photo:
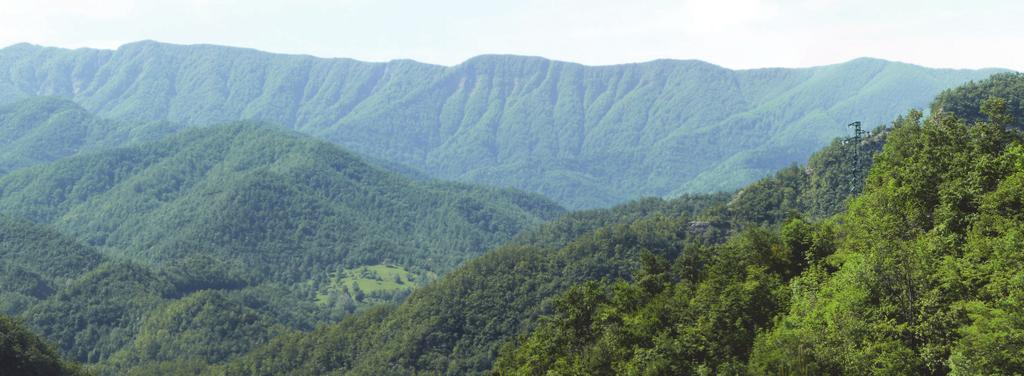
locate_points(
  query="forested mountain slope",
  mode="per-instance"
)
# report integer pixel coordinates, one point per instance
(966, 101)
(277, 201)
(584, 136)
(94, 307)
(69, 292)
(224, 237)
(918, 274)
(23, 353)
(35, 261)
(861, 292)
(458, 324)
(43, 129)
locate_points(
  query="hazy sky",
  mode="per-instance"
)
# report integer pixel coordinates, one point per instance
(731, 33)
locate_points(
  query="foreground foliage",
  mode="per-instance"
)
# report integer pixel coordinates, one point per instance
(896, 254)
(922, 274)
(23, 353)
(458, 324)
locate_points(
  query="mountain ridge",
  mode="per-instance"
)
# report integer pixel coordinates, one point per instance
(240, 219)
(24, 45)
(211, 184)
(586, 136)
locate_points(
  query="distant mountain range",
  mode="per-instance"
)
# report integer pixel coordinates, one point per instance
(586, 136)
(929, 205)
(145, 230)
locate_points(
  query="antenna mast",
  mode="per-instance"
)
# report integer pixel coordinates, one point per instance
(858, 135)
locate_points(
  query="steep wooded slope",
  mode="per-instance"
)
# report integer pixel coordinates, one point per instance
(278, 201)
(43, 129)
(235, 232)
(23, 353)
(584, 136)
(458, 324)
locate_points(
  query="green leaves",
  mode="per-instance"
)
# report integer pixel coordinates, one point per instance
(224, 238)
(998, 99)
(23, 353)
(237, 227)
(921, 274)
(257, 196)
(919, 257)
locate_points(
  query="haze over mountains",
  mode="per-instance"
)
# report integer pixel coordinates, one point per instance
(37, 130)
(170, 209)
(899, 254)
(584, 136)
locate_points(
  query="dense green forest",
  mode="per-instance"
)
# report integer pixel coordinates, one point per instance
(42, 129)
(92, 306)
(274, 200)
(458, 324)
(920, 275)
(224, 237)
(585, 136)
(23, 353)
(248, 249)
(916, 275)
(966, 100)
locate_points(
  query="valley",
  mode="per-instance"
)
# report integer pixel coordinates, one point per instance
(205, 210)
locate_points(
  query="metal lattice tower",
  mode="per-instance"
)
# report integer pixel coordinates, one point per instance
(858, 135)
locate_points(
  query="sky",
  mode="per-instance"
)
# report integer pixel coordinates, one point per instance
(732, 33)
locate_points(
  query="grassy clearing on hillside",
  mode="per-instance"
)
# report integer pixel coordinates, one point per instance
(374, 282)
